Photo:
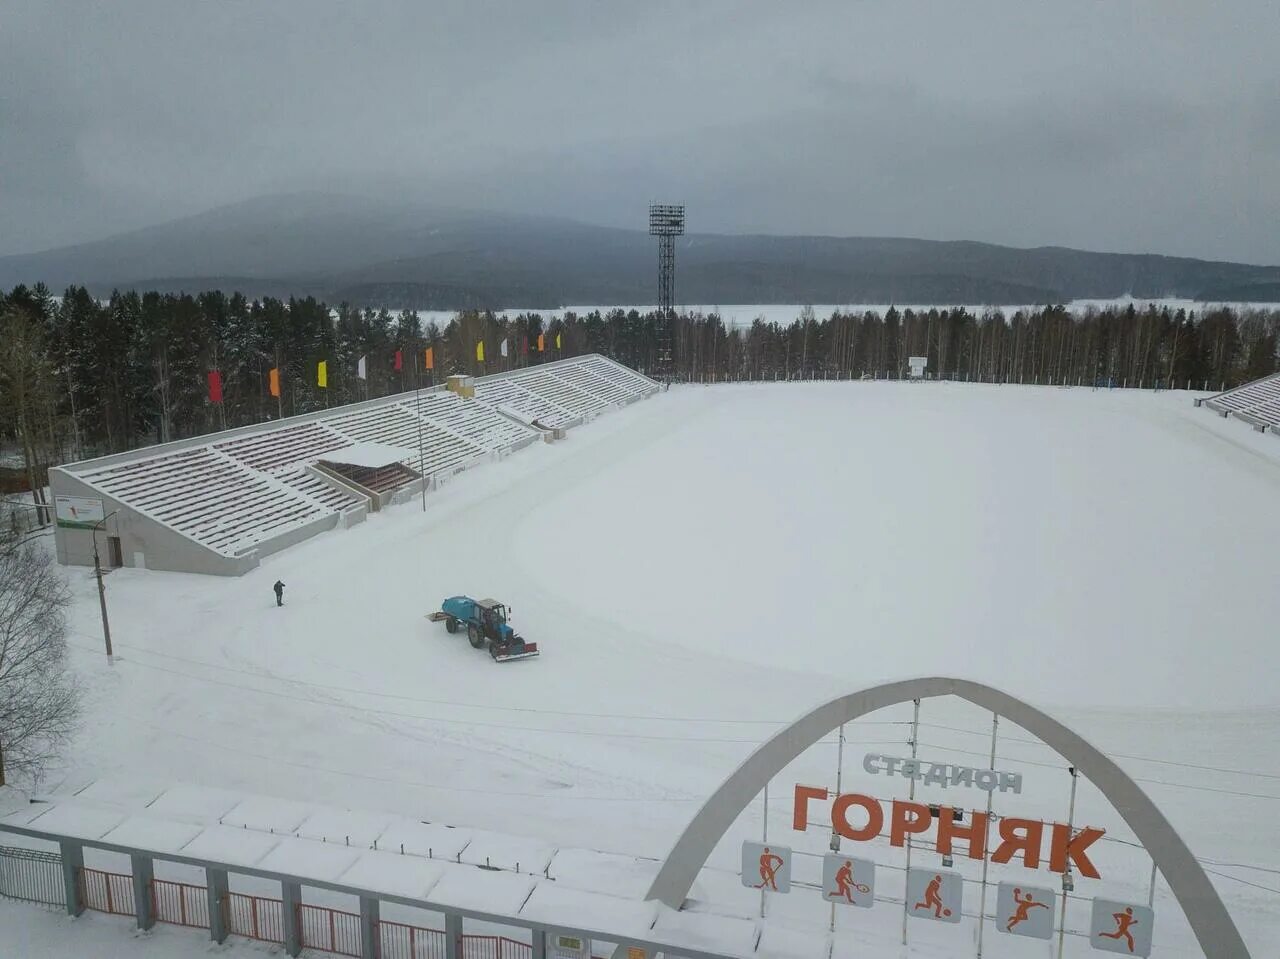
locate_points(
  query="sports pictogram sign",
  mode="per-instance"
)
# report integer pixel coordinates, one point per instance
(847, 881)
(1122, 927)
(1024, 910)
(766, 866)
(934, 894)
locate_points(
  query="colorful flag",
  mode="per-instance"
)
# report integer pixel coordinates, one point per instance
(542, 342)
(431, 357)
(480, 351)
(273, 381)
(503, 348)
(215, 386)
(362, 369)
(322, 374)
(557, 341)
(399, 361)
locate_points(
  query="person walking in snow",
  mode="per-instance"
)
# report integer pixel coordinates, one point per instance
(279, 588)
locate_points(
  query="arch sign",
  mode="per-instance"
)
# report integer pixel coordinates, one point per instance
(937, 894)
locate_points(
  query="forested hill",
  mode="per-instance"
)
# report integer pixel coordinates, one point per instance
(375, 253)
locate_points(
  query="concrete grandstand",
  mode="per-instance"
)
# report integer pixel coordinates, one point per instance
(218, 503)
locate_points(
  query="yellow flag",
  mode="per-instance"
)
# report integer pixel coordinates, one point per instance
(480, 351)
(557, 341)
(322, 375)
(431, 357)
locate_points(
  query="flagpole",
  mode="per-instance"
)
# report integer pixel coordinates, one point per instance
(417, 400)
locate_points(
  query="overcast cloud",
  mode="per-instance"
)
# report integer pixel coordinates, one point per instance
(1150, 126)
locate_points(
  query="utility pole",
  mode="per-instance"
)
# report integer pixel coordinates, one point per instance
(102, 590)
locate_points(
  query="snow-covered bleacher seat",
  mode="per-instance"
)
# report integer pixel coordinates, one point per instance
(247, 492)
(1257, 403)
(209, 497)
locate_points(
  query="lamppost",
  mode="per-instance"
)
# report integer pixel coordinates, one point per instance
(102, 590)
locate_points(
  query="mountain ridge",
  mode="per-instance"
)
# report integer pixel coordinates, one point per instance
(376, 252)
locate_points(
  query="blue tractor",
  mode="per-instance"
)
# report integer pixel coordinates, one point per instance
(486, 622)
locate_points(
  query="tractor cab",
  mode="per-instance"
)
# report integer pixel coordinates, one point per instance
(493, 619)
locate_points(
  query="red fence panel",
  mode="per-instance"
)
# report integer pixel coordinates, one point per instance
(106, 891)
(494, 947)
(180, 903)
(329, 930)
(399, 941)
(254, 917)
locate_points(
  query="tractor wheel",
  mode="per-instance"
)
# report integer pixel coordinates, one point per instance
(475, 636)
(451, 624)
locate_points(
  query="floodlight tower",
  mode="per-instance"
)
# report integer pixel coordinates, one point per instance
(666, 222)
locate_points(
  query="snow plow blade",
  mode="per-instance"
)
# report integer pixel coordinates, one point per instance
(530, 650)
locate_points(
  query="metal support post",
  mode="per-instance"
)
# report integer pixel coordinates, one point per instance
(143, 873)
(911, 794)
(835, 836)
(1151, 890)
(982, 901)
(369, 916)
(290, 916)
(539, 944)
(1071, 814)
(453, 935)
(764, 838)
(72, 862)
(217, 889)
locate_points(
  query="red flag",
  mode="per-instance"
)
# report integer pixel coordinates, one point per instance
(524, 345)
(215, 386)
(399, 360)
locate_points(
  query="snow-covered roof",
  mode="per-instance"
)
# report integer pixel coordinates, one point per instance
(428, 865)
(368, 455)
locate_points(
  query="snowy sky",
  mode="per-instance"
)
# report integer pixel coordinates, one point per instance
(1147, 125)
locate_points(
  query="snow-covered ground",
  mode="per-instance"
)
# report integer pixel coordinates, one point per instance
(700, 568)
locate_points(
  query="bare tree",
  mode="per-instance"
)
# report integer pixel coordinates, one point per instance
(39, 699)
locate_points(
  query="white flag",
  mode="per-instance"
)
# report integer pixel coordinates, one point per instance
(361, 370)
(503, 348)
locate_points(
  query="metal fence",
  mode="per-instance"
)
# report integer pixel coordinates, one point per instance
(106, 891)
(254, 917)
(329, 930)
(36, 876)
(180, 903)
(494, 947)
(399, 941)
(32, 876)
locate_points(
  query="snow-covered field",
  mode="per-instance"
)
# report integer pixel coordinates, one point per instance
(700, 568)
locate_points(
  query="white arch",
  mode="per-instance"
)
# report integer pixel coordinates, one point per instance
(1209, 918)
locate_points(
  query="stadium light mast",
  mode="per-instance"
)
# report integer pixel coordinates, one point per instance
(666, 222)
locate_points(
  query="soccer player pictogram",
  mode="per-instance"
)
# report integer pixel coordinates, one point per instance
(934, 894)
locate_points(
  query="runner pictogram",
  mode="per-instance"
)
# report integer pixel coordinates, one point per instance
(1124, 921)
(770, 862)
(933, 899)
(1025, 904)
(1121, 927)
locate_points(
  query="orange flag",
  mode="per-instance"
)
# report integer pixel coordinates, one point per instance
(275, 382)
(542, 342)
(431, 357)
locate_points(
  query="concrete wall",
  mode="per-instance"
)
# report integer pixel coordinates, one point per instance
(145, 543)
